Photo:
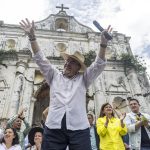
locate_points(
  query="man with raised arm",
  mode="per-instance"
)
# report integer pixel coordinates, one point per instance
(16, 123)
(67, 122)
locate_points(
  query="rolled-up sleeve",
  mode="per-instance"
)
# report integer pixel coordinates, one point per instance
(94, 70)
(45, 66)
(101, 129)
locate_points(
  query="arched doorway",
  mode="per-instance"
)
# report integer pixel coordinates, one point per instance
(42, 102)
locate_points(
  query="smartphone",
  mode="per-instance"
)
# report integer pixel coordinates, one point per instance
(98, 26)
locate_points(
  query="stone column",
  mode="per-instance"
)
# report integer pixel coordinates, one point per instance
(4, 92)
(16, 95)
(31, 110)
(99, 95)
(28, 92)
(137, 89)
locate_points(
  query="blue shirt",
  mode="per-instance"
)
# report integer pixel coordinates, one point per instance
(93, 138)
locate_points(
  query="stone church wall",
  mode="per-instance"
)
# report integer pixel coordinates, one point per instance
(20, 81)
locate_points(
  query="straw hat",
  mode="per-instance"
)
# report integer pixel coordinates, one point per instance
(78, 57)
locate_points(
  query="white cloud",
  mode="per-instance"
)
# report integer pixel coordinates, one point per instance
(130, 17)
(13, 11)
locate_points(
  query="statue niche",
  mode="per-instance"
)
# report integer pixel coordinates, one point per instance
(42, 102)
(61, 24)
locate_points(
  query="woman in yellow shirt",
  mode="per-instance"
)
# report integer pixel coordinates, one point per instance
(110, 129)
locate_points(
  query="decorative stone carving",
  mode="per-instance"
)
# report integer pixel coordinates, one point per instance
(118, 85)
(61, 47)
(11, 44)
(3, 82)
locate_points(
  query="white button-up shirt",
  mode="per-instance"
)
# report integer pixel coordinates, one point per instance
(135, 135)
(15, 147)
(68, 95)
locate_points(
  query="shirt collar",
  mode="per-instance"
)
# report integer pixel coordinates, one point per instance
(134, 114)
(110, 118)
(71, 77)
(10, 147)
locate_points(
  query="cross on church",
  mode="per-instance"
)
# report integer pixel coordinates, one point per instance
(62, 7)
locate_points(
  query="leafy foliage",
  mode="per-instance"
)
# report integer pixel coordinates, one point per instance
(6, 55)
(89, 58)
(131, 61)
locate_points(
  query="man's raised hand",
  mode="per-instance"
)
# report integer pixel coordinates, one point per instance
(28, 28)
(104, 40)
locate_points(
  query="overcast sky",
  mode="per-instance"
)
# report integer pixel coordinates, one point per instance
(130, 17)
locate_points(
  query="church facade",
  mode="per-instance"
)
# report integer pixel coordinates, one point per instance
(22, 85)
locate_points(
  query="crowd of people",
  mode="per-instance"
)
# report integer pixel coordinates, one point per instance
(130, 131)
(67, 125)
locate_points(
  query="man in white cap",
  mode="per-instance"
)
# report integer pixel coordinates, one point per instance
(67, 122)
